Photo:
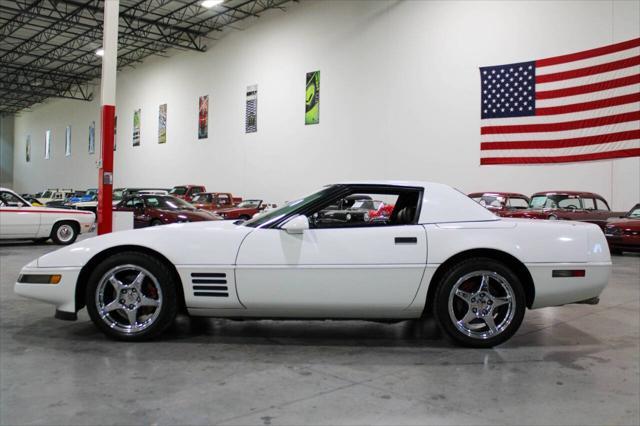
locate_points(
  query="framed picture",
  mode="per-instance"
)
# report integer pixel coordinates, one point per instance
(312, 101)
(47, 145)
(92, 137)
(115, 132)
(67, 141)
(27, 153)
(162, 124)
(203, 117)
(251, 112)
(136, 127)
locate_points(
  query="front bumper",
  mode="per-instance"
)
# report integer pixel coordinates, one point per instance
(61, 295)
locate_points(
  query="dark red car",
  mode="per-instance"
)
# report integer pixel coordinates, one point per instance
(623, 234)
(501, 202)
(245, 210)
(153, 210)
(186, 192)
(567, 205)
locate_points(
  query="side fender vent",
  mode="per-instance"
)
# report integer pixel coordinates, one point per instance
(209, 284)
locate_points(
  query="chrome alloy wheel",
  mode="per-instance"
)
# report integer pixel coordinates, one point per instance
(65, 232)
(128, 298)
(482, 304)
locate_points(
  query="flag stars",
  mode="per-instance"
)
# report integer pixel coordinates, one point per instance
(508, 91)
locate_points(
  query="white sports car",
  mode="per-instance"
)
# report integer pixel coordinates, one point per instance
(20, 220)
(438, 253)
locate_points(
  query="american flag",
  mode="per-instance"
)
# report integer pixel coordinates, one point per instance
(582, 106)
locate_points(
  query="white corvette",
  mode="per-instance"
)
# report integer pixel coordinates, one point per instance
(438, 253)
(20, 220)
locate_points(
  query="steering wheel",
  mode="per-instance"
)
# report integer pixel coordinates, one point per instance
(571, 206)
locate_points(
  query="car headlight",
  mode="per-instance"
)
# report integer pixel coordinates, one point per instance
(613, 230)
(348, 216)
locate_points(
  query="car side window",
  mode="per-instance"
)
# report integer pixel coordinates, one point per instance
(7, 199)
(601, 205)
(569, 203)
(223, 199)
(588, 204)
(367, 209)
(517, 203)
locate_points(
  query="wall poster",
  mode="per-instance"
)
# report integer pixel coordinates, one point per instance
(67, 142)
(312, 108)
(136, 127)
(115, 132)
(251, 113)
(203, 117)
(47, 145)
(92, 137)
(28, 149)
(162, 124)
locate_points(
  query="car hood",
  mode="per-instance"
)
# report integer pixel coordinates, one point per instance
(191, 214)
(627, 223)
(196, 243)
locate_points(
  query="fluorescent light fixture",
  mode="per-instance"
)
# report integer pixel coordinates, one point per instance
(210, 3)
(100, 52)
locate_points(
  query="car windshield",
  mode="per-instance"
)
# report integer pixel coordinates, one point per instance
(289, 207)
(364, 205)
(556, 201)
(202, 198)
(178, 190)
(249, 204)
(46, 194)
(117, 194)
(635, 212)
(168, 203)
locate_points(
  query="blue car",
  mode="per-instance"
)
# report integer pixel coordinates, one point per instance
(90, 195)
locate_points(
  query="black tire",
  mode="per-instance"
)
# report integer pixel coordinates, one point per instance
(65, 233)
(169, 301)
(156, 222)
(514, 310)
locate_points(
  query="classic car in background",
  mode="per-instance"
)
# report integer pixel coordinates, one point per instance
(215, 200)
(358, 210)
(90, 194)
(153, 210)
(623, 234)
(567, 205)
(55, 195)
(186, 192)
(32, 200)
(244, 211)
(439, 252)
(501, 202)
(21, 220)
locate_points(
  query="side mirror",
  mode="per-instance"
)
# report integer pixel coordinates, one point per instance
(296, 225)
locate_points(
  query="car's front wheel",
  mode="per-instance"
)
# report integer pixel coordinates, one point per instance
(479, 303)
(131, 296)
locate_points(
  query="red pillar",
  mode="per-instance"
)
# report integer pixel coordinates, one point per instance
(107, 113)
(105, 184)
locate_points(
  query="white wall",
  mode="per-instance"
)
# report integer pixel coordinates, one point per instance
(399, 100)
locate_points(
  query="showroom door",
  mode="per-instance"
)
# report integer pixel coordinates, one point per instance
(347, 272)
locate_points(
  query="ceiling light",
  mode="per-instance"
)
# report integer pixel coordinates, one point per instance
(210, 3)
(100, 52)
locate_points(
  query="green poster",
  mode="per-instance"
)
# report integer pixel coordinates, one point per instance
(312, 109)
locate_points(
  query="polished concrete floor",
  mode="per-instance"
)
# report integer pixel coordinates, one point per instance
(574, 365)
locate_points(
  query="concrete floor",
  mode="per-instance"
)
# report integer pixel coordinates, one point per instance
(566, 366)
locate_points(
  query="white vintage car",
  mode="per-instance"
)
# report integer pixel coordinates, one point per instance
(438, 253)
(20, 220)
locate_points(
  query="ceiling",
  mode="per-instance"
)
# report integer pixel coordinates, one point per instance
(48, 47)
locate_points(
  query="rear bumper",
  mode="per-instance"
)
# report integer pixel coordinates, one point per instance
(61, 295)
(551, 291)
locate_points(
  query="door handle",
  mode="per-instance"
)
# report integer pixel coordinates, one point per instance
(406, 240)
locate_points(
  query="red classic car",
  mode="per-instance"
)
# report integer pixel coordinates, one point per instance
(186, 192)
(623, 234)
(245, 210)
(153, 210)
(567, 205)
(501, 202)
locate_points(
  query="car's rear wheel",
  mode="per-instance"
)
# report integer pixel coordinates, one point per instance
(479, 303)
(156, 222)
(64, 233)
(132, 296)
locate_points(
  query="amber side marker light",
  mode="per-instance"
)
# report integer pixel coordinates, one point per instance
(568, 273)
(39, 279)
